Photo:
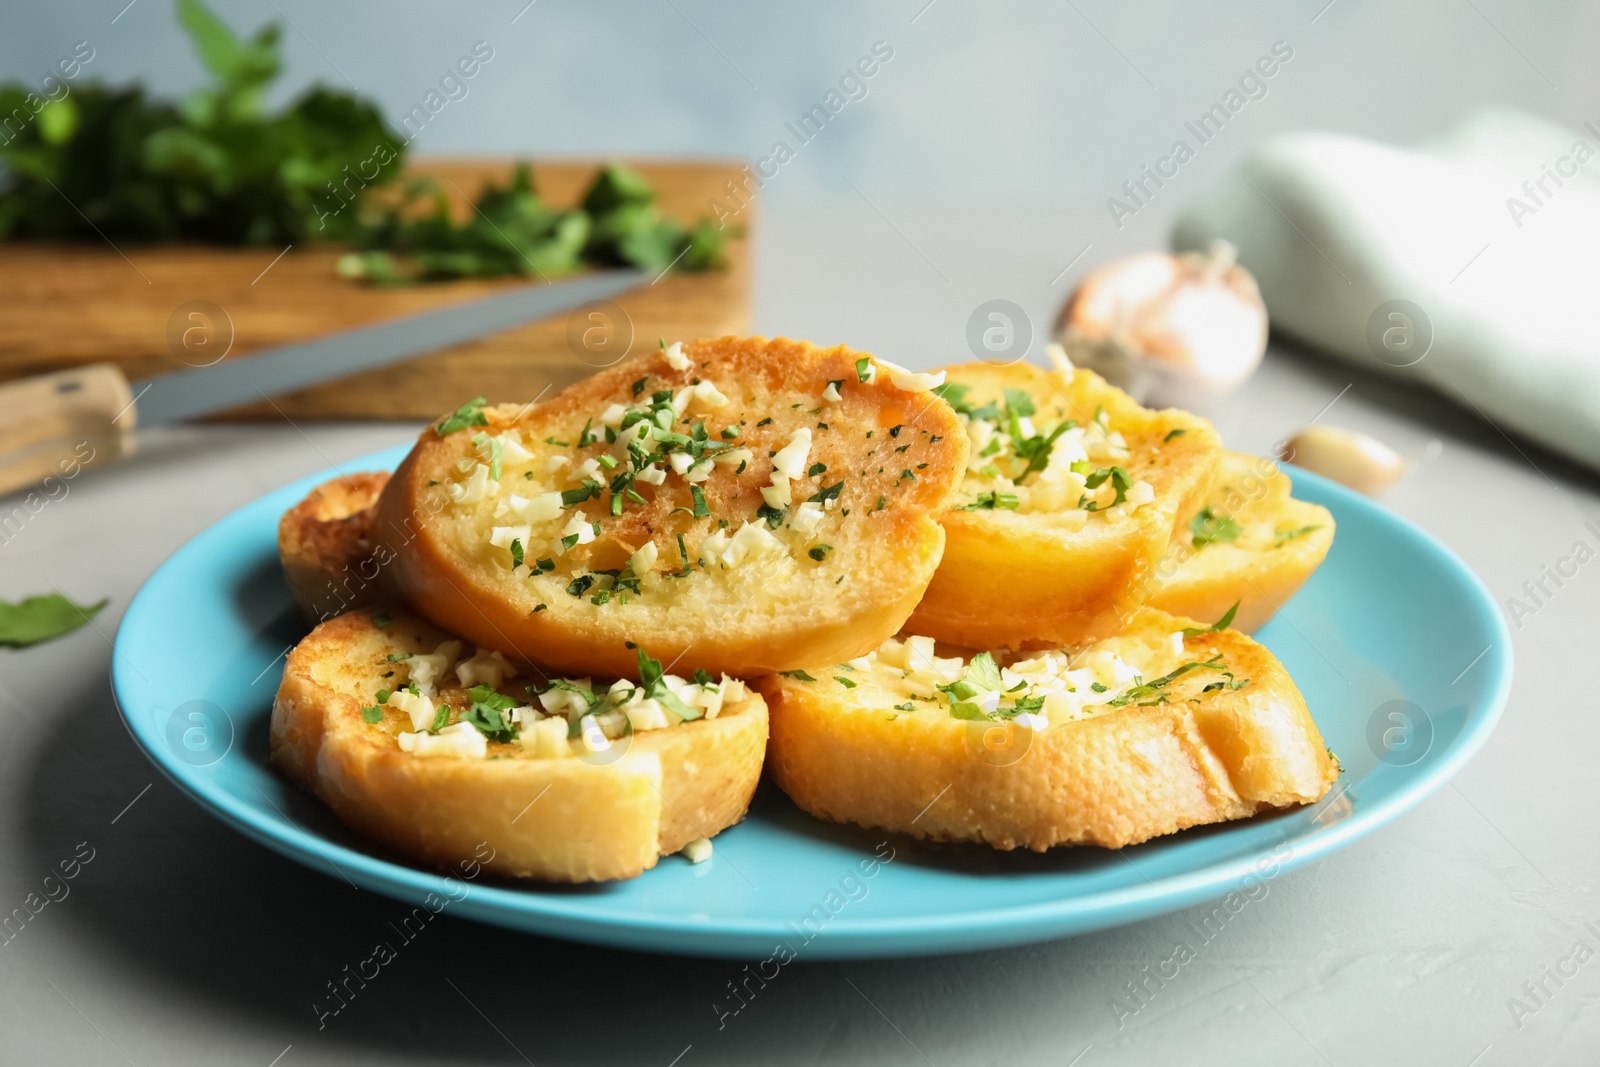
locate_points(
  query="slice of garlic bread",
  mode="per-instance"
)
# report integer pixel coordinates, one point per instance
(1070, 498)
(325, 543)
(1165, 726)
(1251, 544)
(445, 756)
(738, 505)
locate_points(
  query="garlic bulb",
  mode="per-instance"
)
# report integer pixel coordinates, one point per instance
(1173, 330)
(1363, 463)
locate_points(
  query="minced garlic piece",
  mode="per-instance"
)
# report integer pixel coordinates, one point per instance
(486, 667)
(546, 739)
(790, 460)
(418, 707)
(675, 357)
(911, 381)
(460, 739)
(709, 395)
(474, 489)
(698, 850)
(426, 670)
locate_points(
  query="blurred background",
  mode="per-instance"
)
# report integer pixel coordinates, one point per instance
(1028, 116)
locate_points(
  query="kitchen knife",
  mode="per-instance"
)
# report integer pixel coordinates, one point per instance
(56, 423)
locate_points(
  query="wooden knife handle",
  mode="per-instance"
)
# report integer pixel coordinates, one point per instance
(57, 424)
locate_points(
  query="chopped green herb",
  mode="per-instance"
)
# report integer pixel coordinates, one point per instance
(652, 679)
(1173, 433)
(864, 370)
(381, 619)
(730, 432)
(882, 503)
(487, 713)
(701, 509)
(546, 564)
(1137, 693)
(541, 607)
(399, 657)
(580, 585)
(1284, 536)
(372, 713)
(516, 552)
(820, 552)
(590, 490)
(991, 501)
(468, 414)
(801, 675)
(1019, 403)
(1120, 481)
(816, 469)
(842, 680)
(827, 493)
(1216, 627)
(1097, 687)
(638, 386)
(441, 718)
(558, 444)
(765, 421)
(481, 441)
(1207, 527)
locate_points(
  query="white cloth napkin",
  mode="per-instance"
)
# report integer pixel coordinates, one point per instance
(1471, 228)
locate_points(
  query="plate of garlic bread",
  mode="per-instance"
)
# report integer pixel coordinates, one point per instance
(733, 618)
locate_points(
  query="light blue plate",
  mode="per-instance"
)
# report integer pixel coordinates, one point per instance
(1400, 652)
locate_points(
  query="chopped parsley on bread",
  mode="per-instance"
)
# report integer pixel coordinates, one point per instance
(1069, 499)
(1167, 725)
(1251, 544)
(742, 505)
(432, 747)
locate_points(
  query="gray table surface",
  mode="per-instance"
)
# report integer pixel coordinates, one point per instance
(183, 943)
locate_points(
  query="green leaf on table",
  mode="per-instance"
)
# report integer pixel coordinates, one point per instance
(42, 618)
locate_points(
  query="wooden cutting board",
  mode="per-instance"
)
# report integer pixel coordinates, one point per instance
(70, 305)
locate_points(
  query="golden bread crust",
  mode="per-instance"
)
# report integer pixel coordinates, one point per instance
(1034, 580)
(1115, 778)
(782, 612)
(555, 819)
(325, 543)
(1279, 543)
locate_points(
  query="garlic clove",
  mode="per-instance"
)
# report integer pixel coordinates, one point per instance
(1173, 330)
(1348, 457)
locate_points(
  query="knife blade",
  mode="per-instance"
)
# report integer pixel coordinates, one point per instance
(173, 397)
(56, 424)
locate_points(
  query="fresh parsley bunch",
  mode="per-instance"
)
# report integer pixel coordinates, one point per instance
(512, 231)
(221, 169)
(217, 167)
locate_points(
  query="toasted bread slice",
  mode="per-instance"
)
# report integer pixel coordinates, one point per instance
(325, 543)
(712, 502)
(877, 743)
(1252, 544)
(603, 805)
(1043, 558)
